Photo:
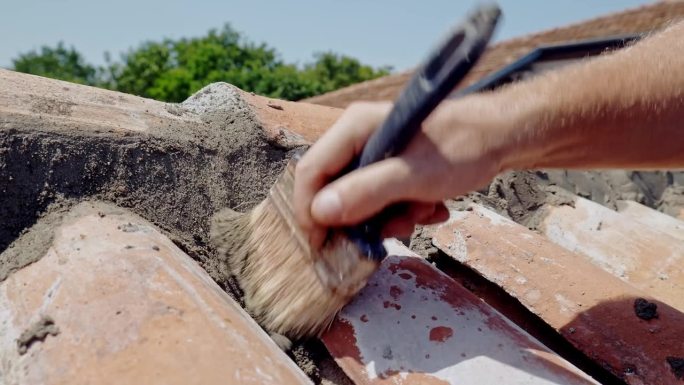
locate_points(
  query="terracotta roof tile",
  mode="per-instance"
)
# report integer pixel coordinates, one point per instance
(637, 20)
(651, 219)
(119, 303)
(108, 111)
(588, 306)
(412, 324)
(627, 248)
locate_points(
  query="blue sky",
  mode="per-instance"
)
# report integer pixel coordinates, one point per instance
(379, 32)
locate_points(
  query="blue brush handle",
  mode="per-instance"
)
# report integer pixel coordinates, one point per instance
(430, 84)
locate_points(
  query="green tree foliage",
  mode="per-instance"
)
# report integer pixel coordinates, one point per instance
(336, 71)
(58, 63)
(171, 70)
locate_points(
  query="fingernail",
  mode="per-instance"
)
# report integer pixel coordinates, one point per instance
(326, 206)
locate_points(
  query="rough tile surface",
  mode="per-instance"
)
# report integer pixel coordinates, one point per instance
(114, 301)
(415, 325)
(654, 220)
(636, 20)
(630, 249)
(591, 308)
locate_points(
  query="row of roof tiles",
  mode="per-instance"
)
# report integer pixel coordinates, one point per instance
(412, 324)
(643, 19)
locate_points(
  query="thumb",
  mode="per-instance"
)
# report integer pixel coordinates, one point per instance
(363, 193)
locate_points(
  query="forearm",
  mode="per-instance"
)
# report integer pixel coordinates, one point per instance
(624, 110)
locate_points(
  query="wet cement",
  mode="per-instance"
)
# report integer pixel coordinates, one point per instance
(660, 190)
(517, 195)
(32, 245)
(37, 332)
(176, 175)
(523, 195)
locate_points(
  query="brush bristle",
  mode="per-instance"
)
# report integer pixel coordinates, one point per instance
(283, 291)
(288, 288)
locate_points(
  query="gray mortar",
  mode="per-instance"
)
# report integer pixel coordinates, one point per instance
(421, 242)
(672, 200)
(33, 243)
(317, 363)
(518, 195)
(37, 332)
(661, 190)
(523, 196)
(176, 176)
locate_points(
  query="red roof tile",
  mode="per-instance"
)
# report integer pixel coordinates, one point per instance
(628, 249)
(637, 20)
(591, 308)
(413, 324)
(122, 304)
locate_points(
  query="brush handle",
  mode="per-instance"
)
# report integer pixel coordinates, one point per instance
(430, 84)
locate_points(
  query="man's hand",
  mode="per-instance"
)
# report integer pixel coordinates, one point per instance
(453, 154)
(620, 110)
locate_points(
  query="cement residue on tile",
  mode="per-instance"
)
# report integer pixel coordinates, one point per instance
(661, 190)
(312, 357)
(32, 245)
(518, 191)
(176, 174)
(34, 242)
(522, 195)
(37, 332)
(421, 242)
(518, 195)
(672, 201)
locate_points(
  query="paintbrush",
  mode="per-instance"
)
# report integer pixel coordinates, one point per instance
(295, 291)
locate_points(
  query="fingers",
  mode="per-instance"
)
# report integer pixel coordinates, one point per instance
(316, 235)
(402, 225)
(400, 228)
(364, 193)
(329, 156)
(441, 214)
(346, 138)
(417, 214)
